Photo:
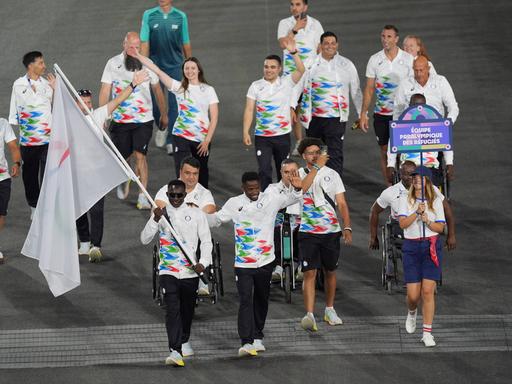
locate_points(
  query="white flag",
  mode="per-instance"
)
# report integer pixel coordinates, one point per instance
(80, 170)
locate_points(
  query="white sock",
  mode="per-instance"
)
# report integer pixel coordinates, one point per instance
(413, 313)
(427, 328)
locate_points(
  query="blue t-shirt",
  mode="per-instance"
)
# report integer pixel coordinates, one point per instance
(166, 34)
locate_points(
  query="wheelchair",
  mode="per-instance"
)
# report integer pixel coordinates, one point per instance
(287, 263)
(213, 275)
(391, 240)
(286, 242)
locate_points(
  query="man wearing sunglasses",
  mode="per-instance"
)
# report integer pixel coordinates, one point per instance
(98, 119)
(197, 196)
(178, 278)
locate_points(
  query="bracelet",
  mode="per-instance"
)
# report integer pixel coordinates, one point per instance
(347, 229)
(133, 86)
(316, 167)
(294, 52)
(294, 31)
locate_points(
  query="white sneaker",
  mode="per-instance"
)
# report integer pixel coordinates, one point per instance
(142, 202)
(308, 322)
(410, 323)
(160, 138)
(2, 258)
(247, 350)
(186, 350)
(299, 275)
(277, 273)
(95, 255)
(203, 290)
(331, 317)
(428, 339)
(175, 359)
(123, 190)
(85, 247)
(170, 149)
(258, 345)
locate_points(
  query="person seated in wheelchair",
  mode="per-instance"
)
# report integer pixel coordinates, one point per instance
(179, 268)
(197, 196)
(390, 198)
(288, 168)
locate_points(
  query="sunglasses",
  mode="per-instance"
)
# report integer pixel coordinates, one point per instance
(84, 92)
(175, 195)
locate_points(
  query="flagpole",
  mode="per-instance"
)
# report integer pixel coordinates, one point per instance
(128, 170)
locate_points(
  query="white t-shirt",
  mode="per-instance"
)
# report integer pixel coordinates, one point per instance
(193, 120)
(199, 196)
(32, 111)
(138, 107)
(390, 197)
(388, 75)
(318, 216)
(306, 39)
(6, 135)
(415, 230)
(272, 106)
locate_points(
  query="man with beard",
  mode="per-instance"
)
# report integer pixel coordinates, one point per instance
(132, 121)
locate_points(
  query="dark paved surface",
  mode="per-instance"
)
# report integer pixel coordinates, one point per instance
(468, 42)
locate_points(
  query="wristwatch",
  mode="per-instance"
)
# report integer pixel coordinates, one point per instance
(294, 31)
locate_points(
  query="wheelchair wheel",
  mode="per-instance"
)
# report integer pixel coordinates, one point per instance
(446, 185)
(217, 265)
(288, 283)
(384, 259)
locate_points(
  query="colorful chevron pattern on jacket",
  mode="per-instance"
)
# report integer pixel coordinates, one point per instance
(171, 257)
(325, 102)
(248, 247)
(34, 127)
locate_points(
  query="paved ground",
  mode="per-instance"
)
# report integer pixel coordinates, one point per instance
(468, 44)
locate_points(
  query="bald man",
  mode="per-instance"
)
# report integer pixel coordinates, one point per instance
(132, 121)
(437, 93)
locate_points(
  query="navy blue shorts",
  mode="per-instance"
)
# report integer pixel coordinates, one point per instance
(417, 262)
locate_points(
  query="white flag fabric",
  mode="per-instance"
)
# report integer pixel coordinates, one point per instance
(80, 169)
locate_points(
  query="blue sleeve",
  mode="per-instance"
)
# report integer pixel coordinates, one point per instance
(184, 32)
(144, 28)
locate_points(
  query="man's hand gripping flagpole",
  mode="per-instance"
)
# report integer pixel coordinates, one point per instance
(129, 172)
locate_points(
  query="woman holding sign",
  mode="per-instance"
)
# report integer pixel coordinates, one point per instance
(421, 216)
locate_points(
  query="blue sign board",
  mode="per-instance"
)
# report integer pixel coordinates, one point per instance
(420, 128)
